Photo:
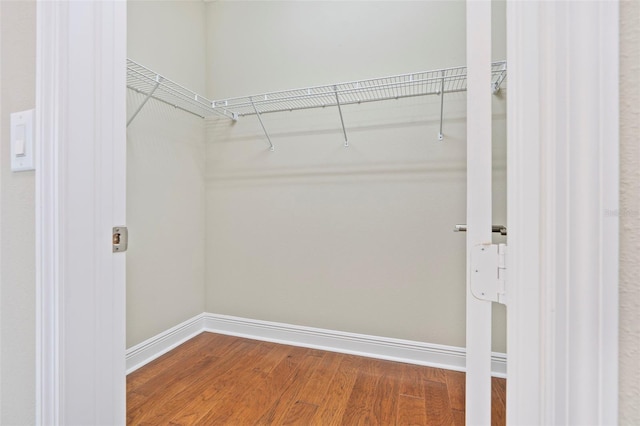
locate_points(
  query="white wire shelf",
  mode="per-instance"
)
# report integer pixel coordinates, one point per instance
(448, 80)
(153, 85)
(435, 82)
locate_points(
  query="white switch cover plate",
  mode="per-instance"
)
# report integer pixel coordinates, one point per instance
(22, 152)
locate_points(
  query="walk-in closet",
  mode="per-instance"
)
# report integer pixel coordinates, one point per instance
(296, 172)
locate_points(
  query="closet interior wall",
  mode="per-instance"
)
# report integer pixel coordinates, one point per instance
(355, 239)
(165, 174)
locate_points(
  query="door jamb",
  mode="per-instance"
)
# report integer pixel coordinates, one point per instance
(562, 120)
(80, 196)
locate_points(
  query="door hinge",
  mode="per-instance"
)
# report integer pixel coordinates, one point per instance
(120, 239)
(489, 272)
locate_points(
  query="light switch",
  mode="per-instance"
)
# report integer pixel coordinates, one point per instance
(22, 152)
(20, 148)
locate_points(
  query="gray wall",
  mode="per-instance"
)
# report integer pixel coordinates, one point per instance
(17, 221)
(165, 174)
(355, 239)
(630, 213)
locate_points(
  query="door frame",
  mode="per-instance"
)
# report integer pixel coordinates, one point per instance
(552, 124)
(562, 209)
(80, 196)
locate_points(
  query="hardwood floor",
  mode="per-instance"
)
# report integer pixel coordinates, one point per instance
(215, 379)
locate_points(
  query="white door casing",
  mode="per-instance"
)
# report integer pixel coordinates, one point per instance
(562, 331)
(80, 196)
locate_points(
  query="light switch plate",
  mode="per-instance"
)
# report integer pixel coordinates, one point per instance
(22, 146)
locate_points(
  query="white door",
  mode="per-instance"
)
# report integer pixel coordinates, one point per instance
(479, 213)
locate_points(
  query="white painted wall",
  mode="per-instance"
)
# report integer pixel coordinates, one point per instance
(357, 239)
(629, 212)
(165, 174)
(17, 224)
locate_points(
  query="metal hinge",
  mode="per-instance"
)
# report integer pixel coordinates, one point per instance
(120, 239)
(488, 272)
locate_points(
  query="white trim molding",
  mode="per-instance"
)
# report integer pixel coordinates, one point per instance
(428, 354)
(523, 204)
(158, 345)
(412, 352)
(563, 212)
(80, 196)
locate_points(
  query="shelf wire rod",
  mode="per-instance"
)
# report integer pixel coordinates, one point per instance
(501, 73)
(171, 104)
(389, 88)
(383, 90)
(301, 100)
(146, 99)
(346, 141)
(368, 92)
(348, 95)
(455, 82)
(440, 135)
(407, 87)
(462, 80)
(379, 89)
(271, 147)
(291, 103)
(428, 87)
(167, 85)
(398, 87)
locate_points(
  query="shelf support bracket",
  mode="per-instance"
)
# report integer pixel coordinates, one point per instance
(271, 147)
(344, 131)
(149, 95)
(440, 135)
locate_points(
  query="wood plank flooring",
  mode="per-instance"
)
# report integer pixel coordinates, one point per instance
(215, 379)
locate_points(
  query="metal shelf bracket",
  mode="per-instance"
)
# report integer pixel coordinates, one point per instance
(271, 147)
(440, 135)
(146, 99)
(344, 131)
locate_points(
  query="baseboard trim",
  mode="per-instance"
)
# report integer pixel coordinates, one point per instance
(428, 354)
(145, 352)
(432, 355)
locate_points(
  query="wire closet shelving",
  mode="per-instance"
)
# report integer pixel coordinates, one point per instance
(436, 82)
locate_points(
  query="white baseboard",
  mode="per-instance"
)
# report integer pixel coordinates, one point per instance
(145, 352)
(432, 355)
